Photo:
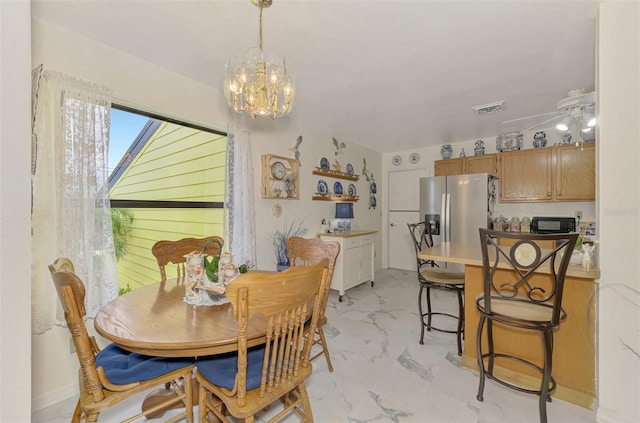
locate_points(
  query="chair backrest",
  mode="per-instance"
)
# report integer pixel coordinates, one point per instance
(526, 266)
(71, 292)
(422, 238)
(167, 252)
(279, 302)
(310, 251)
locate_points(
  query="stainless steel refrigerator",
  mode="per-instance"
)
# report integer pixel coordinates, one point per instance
(456, 206)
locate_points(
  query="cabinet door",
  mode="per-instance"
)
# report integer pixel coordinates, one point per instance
(481, 164)
(366, 270)
(525, 176)
(447, 167)
(576, 172)
(351, 267)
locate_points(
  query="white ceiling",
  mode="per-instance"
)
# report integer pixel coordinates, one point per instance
(388, 74)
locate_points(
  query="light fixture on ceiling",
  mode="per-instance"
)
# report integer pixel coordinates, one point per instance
(263, 87)
(589, 120)
(563, 125)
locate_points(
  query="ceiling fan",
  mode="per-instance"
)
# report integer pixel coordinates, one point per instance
(576, 114)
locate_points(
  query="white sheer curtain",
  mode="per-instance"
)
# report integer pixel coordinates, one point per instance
(70, 213)
(239, 227)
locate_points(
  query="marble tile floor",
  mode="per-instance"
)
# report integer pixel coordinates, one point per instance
(382, 374)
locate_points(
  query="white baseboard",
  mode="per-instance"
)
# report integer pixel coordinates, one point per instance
(608, 416)
(50, 398)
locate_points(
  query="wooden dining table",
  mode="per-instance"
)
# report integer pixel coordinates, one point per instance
(154, 320)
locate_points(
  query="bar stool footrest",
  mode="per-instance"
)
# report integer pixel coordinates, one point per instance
(429, 327)
(490, 375)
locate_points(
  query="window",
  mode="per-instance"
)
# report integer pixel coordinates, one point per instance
(171, 179)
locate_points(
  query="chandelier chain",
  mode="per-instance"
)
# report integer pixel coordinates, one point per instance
(261, 25)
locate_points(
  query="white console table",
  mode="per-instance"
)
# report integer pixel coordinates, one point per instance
(355, 263)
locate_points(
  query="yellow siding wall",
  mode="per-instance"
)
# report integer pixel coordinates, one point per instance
(177, 163)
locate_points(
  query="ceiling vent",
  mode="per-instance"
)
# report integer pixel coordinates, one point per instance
(489, 109)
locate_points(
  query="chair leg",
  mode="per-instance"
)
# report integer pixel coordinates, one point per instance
(325, 348)
(305, 402)
(490, 343)
(480, 360)
(77, 413)
(92, 418)
(547, 338)
(428, 309)
(188, 396)
(460, 322)
(421, 315)
(202, 403)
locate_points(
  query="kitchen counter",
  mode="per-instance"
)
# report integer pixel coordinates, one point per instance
(347, 234)
(574, 342)
(472, 255)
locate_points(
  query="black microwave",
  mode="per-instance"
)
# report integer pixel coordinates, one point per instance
(553, 225)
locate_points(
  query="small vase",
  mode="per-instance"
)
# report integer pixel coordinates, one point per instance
(462, 153)
(446, 151)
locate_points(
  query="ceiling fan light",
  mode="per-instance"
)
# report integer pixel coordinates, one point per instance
(563, 125)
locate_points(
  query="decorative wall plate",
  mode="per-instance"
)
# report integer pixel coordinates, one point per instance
(352, 190)
(396, 160)
(323, 188)
(324, 163)
(414, 158)
(337, 188)
(349, 168)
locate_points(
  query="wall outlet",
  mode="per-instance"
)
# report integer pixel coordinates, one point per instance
(578, 215)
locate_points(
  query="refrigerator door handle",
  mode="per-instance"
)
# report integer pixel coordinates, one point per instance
(443, 218)
(447, 219)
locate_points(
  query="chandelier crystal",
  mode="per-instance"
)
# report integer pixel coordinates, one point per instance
(261, 86)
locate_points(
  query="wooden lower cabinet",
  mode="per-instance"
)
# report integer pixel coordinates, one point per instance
(574, 341)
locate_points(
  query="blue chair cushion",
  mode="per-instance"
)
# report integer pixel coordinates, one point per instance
(122, 367)
(221, 369)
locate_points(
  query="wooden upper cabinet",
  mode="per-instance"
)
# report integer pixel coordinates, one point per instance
(448, 167)
(526, 175)
(485, 163)
(576, 172)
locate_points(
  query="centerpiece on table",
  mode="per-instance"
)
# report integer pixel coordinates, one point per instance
(210, 275)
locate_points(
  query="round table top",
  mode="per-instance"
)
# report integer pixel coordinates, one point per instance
(154, 320)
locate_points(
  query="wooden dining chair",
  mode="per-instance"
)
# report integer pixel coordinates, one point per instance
(167, 252)
(112, 375)
(245, 382)
(309, 251)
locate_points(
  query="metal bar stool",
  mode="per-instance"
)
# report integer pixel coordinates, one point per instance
(515, 297)
(432, 277)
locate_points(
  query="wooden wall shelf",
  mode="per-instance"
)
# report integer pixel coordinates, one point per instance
(335, 174)
(335, 197)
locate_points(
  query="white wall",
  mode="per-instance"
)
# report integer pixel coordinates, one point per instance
(147, 87)
(618, 84)
(15, 256)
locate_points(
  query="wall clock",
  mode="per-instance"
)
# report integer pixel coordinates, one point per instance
(278, 170)
(280, 177)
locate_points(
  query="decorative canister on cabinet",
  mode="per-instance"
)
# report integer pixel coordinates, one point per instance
(446, 151)
(539, 139)
(479, 148)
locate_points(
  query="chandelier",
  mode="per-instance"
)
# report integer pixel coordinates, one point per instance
(262, 86)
